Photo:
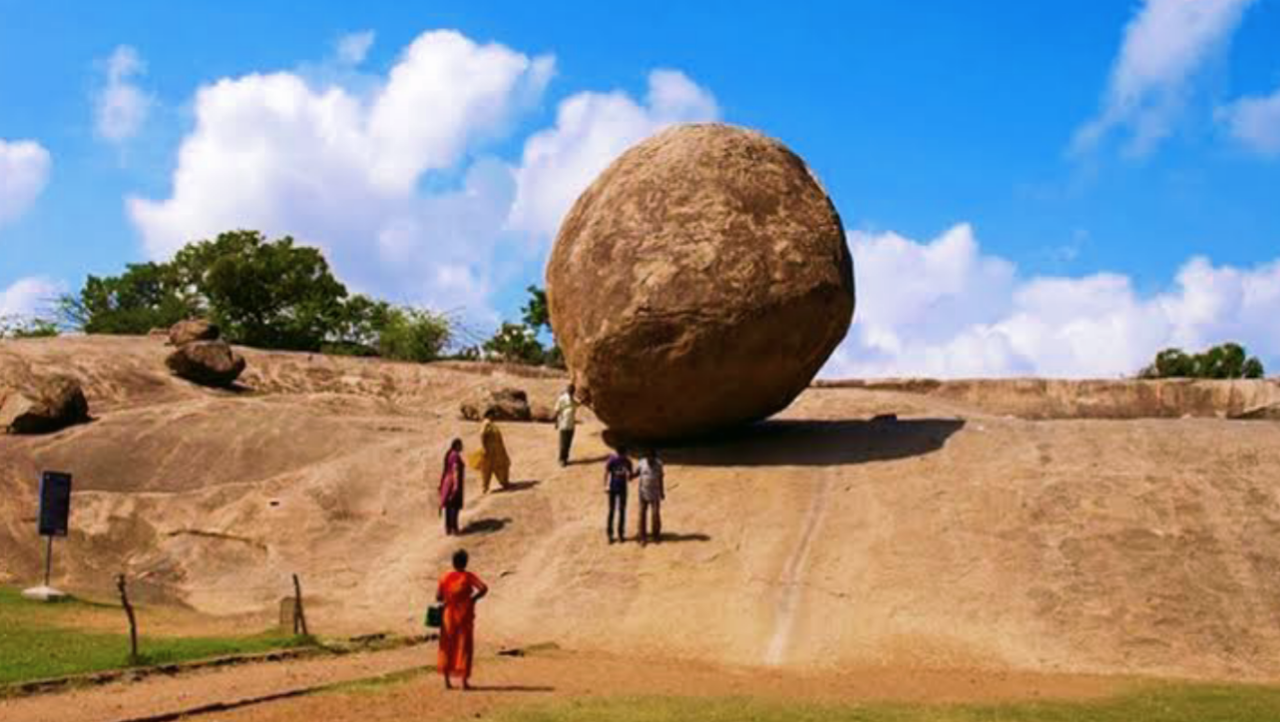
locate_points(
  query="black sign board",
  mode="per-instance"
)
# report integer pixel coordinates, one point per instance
(55, 503)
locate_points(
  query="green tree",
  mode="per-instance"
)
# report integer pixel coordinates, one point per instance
(515, 343)
(269, 294)
(358, 327)
(265, 294)
(537, 316)
(1224, 361)
(535, 312)
(411, 334)
(1253, 369)
(145, 296)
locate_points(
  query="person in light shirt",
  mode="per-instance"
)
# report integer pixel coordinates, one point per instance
(566, 420)
(652, 490)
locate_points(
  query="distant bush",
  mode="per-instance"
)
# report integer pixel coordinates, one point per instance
(13, 327)
(1224, 361)
(411, 334)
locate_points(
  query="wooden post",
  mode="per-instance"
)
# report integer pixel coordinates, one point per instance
(300, 617)
(48, 560)
(133, 622)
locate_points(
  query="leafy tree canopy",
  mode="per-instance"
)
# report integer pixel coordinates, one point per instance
(1224, 361)
(267, 294)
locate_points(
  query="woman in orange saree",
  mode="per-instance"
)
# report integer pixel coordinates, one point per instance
(459, 590)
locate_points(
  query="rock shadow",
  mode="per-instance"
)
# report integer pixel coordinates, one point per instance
(788, 442)
(487, 525)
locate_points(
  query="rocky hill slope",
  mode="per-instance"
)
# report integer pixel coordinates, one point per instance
(957, 534)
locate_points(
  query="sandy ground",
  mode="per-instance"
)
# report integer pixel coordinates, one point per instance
(541, 677)
(951, 537)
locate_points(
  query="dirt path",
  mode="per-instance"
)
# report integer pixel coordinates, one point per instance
(791, 588)
(157, 696)
(279, 692)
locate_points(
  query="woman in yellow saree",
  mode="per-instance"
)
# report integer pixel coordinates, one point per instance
(491, 458)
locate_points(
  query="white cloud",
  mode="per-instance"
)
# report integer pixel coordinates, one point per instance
(945, 309)
(1164, 45)
(122, 106)
(24, 172)
(345, 171)
(1255, 122)
(352, 48)
(591, 130)
(390, 175)
(27, 297)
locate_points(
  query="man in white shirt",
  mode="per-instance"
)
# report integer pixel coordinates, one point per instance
(652, 492)
(566, 420)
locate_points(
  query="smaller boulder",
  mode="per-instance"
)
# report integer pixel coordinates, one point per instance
(43, 406)
(208, 363)
(542, 413)
(193, 329)
(499, 405)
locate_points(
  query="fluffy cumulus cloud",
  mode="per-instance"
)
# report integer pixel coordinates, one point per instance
(1164, 45)
(28, 297)
(1255, 123)
(344, 170)
(122, 105)
(944, 308)
(395, 178)
(591, 130)
(24, 172)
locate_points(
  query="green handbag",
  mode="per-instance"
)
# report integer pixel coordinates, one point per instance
(435, 616)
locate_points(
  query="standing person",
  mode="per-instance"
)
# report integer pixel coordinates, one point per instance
(451, 487)
(652, 488)
(617, 472)
(566, 420)
(491, 458)
(458, 590)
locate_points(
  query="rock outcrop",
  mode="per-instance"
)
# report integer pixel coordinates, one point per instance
(700, 282)
(208, 363)
(499, 405)
(43, 405)
(195, 329)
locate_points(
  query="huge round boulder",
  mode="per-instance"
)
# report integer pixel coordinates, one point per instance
(699, 283)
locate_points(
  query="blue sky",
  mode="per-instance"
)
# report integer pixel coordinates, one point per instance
(1044, 188)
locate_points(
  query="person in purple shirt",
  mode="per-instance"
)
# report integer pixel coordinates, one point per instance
(618, 471)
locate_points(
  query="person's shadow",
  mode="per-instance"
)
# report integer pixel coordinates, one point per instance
(487, 525)
(510, 688)
(514, 486)
(668, 538)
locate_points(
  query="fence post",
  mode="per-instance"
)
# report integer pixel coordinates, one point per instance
(299, 616)
(133, 622)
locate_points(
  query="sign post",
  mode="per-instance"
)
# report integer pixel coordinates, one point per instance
(55, 513)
